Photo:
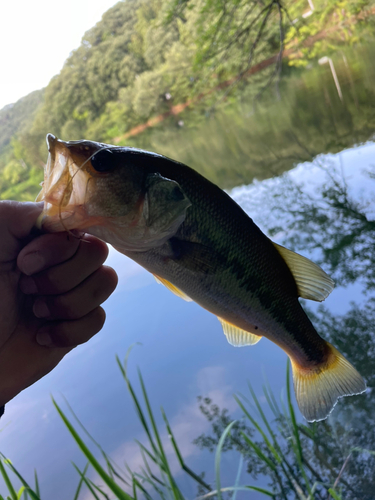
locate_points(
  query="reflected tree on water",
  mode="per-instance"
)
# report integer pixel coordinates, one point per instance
(333, 221)
(338, 225)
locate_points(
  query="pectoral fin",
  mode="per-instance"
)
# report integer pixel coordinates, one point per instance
(312, 282)
(238, 337)
(172, 288)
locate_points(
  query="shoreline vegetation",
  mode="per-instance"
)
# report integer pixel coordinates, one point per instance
(155, 58)
(165, 66)
(280, 450)
(283, 456)
(292, 53)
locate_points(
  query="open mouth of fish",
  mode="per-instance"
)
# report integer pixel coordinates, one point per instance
(64, 189)
(108, 192)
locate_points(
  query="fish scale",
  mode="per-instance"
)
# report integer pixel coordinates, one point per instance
(200, 244)
(220, 224)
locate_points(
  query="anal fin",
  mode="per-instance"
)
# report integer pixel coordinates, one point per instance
(172, 288)
(238, 337)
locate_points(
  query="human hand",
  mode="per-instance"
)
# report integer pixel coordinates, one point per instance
(51, 288)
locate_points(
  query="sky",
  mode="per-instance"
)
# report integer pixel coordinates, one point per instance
(37, 37)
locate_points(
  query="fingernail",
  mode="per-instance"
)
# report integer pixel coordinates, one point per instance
(32, 263)
(28, 285)
(43, 338)
(40, 309)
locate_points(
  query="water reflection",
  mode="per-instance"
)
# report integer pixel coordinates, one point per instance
(241, 143)
(326, 210)
(329, 218)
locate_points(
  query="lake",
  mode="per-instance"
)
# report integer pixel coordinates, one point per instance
(303, 167)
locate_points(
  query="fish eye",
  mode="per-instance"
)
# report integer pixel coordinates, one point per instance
(103, 161)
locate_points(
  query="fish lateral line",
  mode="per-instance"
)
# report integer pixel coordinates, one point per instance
(190, 231)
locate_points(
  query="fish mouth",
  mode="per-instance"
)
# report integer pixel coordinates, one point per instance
(64, 189)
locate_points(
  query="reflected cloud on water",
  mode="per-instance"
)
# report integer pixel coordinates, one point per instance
(326, 210)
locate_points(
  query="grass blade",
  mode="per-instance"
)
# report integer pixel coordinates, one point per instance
(371, 452)
(259, 429)
(148, 453)
(152, 419)
(109, 462)
(218, 457)
(261, 413)
(8, 482)
(259, 452)
(138, 407)
(271, 400)
(121, 494)
(33, 495)
(179, 456)
(151, 482)
(238, 488)
(238, 475)
(334, 495)
(86, 481)
(176, 492)
(293, 415)
(81, 481)
(298, 446)
(22, 490)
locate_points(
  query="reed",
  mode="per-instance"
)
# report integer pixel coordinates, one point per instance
(155, 479)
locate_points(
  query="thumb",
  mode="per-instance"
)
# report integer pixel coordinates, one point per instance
(18, 218)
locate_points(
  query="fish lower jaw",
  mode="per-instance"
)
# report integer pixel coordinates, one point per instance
(54, 220)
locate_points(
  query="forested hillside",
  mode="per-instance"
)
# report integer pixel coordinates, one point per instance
(155, 58)
(19, 117)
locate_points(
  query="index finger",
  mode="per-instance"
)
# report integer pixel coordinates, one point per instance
(46, 251)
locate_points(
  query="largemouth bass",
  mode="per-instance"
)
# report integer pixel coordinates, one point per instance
(202, 246)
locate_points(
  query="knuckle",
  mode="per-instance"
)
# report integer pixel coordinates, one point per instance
(95, 321)
(61, 337)
(96, 250)
(106, 283)
(50, 281)
(64, 306)
(100, 317)
(111, 277)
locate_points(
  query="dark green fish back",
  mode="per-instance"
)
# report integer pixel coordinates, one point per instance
(244, 275)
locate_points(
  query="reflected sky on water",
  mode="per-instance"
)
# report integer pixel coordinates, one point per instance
(183, 354)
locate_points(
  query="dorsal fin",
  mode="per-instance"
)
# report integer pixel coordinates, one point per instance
(172, 288)
(312, 282)
(238, 337)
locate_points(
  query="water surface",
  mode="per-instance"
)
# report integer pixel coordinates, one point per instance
(323, 143)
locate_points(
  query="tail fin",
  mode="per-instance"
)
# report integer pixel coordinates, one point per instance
(318, 390)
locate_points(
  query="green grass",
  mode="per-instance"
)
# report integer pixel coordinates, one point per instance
(155, 479)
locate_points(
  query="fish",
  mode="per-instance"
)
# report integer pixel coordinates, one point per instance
(195, 240)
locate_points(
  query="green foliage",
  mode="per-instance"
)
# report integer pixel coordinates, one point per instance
(146, 58)
(282, 453)
(339, 227)
(240, 143)
(330, 26)
(19, 116)
(18, 180)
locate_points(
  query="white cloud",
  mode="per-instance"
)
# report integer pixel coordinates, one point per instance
(186, 425)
